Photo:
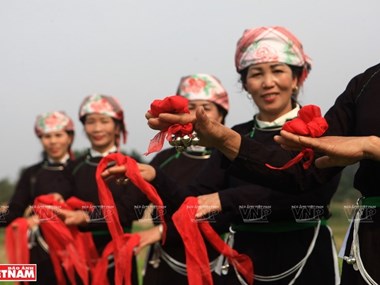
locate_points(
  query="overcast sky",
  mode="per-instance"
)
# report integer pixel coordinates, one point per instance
(55, 52)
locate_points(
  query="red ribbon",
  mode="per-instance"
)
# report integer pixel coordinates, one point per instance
(309, 122)
(16, 241)
(122, 245)
(197, 261)
(175, 105)
(67, 246)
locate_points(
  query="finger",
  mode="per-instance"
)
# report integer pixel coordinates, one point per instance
(58, 197)
(201, 211)
(290, 137)
(201, 114)
(148, 115)
(201, 118)
(157, 124)
(278, 139)
(176, 118)
(69, 221)
(286, 144)
(119, 169)
(324, 162)
(61, 212)
(199, 214)
(309, 142)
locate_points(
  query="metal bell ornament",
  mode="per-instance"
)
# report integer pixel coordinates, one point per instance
(349, 259)
(182, 142)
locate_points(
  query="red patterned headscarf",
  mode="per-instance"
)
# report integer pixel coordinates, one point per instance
(53, 122)
(105, 105)
(202, 86)
(271, 44)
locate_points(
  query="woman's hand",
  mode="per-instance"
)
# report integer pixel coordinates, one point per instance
(165, 120)
(147, 171)
(148, 237)
(339, 150)
(73, 218)
(58, 197)
(32, 221)
(208, 204)
(289, 141)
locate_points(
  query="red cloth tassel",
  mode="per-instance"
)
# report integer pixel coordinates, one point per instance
(122, 245)
(309, 122)
(16, 242)
(197, 261)
(66, 244)
(172, 104)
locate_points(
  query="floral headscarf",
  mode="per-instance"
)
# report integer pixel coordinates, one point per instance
(105, 105)
(271, 44)
(203, 87)
(52, 122)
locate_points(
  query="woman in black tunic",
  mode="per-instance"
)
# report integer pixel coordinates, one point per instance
(278, 216)
(55, 130)
(166, 264)
(103, 120)
(355, 114)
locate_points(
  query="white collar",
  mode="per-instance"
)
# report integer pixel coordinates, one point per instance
(61, 161)
(95, 153)
(280, 121)
(196, 148)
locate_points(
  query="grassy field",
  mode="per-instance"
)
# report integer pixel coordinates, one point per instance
(339, 221)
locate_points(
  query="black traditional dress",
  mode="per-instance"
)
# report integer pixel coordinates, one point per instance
(278, 216)
(40, 179)
(167, 264)
(126, 198)
(356, 113)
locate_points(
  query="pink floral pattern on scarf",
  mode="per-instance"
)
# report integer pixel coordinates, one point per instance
(203, 87)
(271, 44)
(105, 105)
(52, 122)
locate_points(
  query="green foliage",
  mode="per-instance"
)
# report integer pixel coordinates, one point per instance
(6, 190)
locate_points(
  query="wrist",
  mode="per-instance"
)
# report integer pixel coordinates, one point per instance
(230, 143)
(372, 148)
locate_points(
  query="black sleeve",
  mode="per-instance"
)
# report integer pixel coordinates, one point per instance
(21, 199)
(341, 116)
(254, 156)
(281, 205)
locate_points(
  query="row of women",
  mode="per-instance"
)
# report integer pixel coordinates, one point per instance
(276, 217)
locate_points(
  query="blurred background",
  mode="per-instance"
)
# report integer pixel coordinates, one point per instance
(54, 53)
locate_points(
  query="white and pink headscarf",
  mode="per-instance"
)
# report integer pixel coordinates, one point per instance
(271, 44)
(52, 122)
(105, 105)
(202, 86)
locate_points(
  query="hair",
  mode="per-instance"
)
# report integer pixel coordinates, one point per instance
(222, 111)
(72, 135)
(120, 127)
